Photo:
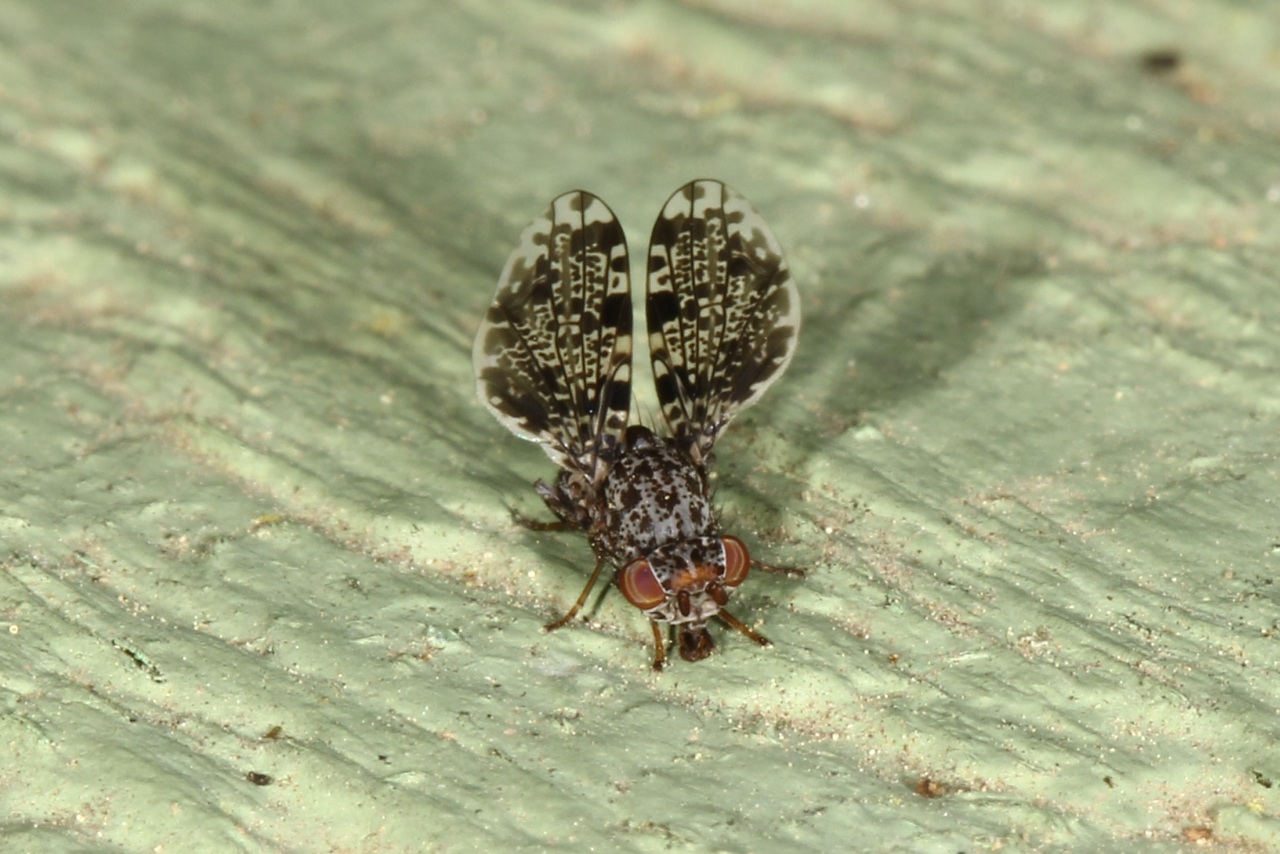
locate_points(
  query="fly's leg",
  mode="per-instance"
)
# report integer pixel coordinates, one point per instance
(788, 571)
(659, 648)
(582, 597)
(542, 524)
(733, 622)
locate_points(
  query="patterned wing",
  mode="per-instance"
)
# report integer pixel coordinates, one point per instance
(553, 354)
(723, 313)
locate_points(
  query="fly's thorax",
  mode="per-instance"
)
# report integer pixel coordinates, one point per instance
(654, 496)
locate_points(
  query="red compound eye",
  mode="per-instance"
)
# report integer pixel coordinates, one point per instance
(736, 561)
(640, 586)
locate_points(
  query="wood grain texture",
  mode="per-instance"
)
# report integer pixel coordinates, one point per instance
(254, 520)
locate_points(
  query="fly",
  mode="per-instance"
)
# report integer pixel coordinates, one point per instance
(553, 363)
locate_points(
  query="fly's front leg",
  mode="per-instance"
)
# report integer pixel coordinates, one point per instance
(788, 571)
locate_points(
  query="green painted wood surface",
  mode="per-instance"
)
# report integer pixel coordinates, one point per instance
(253, 521)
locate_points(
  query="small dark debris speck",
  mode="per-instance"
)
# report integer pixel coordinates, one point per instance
(1161, 60)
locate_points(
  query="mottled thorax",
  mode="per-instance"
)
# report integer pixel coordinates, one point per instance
(654, 495)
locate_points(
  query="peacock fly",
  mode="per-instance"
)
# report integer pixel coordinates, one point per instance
(553, 363)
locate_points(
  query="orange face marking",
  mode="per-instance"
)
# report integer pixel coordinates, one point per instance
(698, 576)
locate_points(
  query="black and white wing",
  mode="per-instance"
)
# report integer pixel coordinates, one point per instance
(723, 313)
(553, 354)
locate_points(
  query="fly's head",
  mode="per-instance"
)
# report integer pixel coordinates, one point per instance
(686, 584)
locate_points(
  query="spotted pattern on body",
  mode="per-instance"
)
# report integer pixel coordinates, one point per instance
(553, 363)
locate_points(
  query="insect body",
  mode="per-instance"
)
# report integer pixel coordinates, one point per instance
(553, 363)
